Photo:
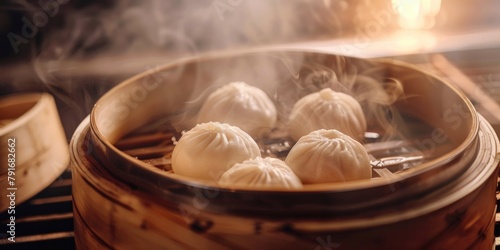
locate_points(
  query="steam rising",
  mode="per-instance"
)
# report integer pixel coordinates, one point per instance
(123, 38)
(130, 35)
(95, 46)
(288, 76)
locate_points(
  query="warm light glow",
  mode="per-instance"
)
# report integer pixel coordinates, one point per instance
(413, 41)
(416, 14)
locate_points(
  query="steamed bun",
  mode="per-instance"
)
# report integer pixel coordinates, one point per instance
(260, 173)
(327, 109)
(325, 156)
(241, 105)
(209, 149)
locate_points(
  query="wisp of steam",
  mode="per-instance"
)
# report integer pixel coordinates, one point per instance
(87, 48)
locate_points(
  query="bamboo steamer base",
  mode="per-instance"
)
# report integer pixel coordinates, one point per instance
(40, 152)
(110, 214)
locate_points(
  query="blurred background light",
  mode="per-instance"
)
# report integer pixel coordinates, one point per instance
(416, 14)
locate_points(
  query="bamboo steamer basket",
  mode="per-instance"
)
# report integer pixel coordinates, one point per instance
(127, 200)
(32, 123)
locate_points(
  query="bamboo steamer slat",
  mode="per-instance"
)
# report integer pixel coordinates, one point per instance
(41, 148)
(458, 216)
